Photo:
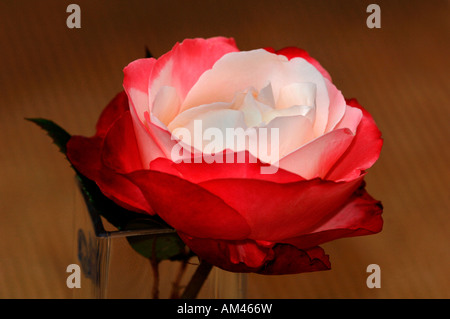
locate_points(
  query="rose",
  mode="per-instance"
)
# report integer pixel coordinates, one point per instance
(230, 214)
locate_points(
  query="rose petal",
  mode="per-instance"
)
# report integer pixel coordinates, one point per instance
(351, 119)
(182, 66)
(236, 72)
(189, 116)
(293, 132)
(303, 110)
(363, 151)
(239, 165)
(248, 256)
(251, 108)
(297, 94)
(188, 207)
(278, 211)
(360, 216)
(207, 126)
(135, 83)
(120, 151)
(291, 260)
(153, 141)
(316, 158)
(113, 110)
(249, 253)
(123, 192)
(166, 105)
(337, 106)
(293, 52)
(84, 154)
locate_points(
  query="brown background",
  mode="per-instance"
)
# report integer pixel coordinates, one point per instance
(399, 73)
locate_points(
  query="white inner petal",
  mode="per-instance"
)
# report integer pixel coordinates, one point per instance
(295, 80)
(249, 106)
(166, 104)
(266, 97)
(247, 91)
(294, 110)
(246, 115)
(297, 94)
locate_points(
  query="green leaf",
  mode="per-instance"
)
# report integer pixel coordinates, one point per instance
(158, 246)
(58, 134)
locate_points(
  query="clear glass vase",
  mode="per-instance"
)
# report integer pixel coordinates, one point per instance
(111, 268)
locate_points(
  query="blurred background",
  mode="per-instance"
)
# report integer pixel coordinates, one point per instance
(398, 72)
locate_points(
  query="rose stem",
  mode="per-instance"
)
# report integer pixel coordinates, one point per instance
(197, 280)
(175, 294)
(155, 269)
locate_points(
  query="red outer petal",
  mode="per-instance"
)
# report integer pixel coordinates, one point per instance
(120, 151)
(85, 154)
(293, 52)
(201, 172)
(188, 207)
(290, 260)
(124, 193)
(362, 152)
(360, 216)
(110, 114)
(187, 61)
(278, 211)
(136, 76)
(280, 259)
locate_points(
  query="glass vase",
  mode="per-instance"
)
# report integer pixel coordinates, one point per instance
(112, 269)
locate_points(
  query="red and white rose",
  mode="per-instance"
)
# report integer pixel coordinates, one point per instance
(229, 212)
